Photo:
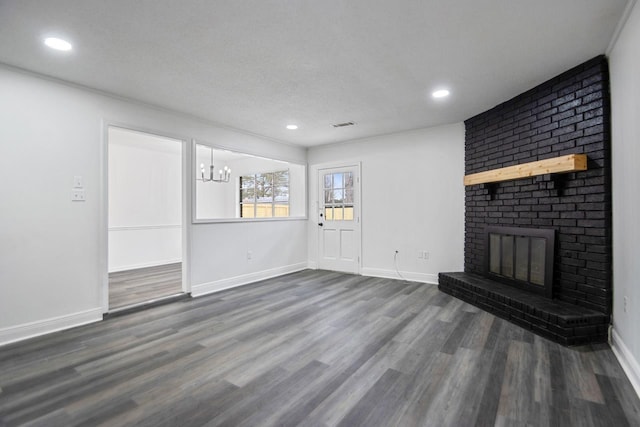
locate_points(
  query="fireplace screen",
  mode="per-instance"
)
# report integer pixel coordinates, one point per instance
(521, 256)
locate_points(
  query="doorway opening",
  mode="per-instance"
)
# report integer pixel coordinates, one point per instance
(145, 218)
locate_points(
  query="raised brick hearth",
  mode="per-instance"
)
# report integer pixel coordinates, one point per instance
(559, 321)
(568, 114)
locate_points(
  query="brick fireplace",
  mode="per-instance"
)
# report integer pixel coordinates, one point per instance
(568, 114)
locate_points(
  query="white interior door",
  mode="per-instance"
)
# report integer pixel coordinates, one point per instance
(339, 219)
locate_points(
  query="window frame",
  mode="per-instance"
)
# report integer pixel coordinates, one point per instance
(255, 177)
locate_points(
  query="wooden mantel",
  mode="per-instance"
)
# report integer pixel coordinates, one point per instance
(562, 164)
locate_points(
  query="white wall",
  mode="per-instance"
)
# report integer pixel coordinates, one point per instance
(412, 200)
(53, 258)
(214, 200)
(624, 63)
(145, 200)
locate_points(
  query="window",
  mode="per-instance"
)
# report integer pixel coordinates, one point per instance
(338, 196)
(264, 195)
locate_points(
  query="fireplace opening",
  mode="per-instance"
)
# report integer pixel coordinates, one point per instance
(521, 257)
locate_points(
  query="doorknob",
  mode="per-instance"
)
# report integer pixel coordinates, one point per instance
(320, 224)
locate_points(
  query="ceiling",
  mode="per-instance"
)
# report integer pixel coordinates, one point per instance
(259, 65)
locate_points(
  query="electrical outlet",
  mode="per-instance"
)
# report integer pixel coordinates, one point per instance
(249, 255)
(77, 195)
(626, 303)
(425, 255)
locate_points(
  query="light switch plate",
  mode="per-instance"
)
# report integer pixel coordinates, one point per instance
(77, 181)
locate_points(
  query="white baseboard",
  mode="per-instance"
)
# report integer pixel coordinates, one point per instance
(312, 265)
(232, 282)
(627, 361)
(144, 265)
(406, 275)
(47, 326)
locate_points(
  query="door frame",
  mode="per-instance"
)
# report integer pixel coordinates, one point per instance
(103, 239)
(317, 168)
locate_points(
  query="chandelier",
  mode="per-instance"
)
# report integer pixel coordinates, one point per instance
(224, 175)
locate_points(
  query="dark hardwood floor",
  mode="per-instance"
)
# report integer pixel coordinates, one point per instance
(144, 284)
(313, 348)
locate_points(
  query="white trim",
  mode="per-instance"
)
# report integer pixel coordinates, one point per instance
(311, 264)
(103, 232)
(47, 326)
(627, 361)
(406, 275)
(621, 24)
(269, 219)
(144, 227)
(232, 282)
(145, 265)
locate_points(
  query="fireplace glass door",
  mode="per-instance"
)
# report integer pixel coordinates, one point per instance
(520, 258)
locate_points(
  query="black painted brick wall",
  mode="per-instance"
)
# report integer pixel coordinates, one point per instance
(568, 114)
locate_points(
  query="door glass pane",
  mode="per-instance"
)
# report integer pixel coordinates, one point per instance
(327, 181)
(348, 213)
(328, 214)
(522, 258)
(337, 180)
(338, 196)
(337, 214)
(348, 180)
(348, 195)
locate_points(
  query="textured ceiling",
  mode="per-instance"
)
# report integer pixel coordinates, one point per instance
(259, 65)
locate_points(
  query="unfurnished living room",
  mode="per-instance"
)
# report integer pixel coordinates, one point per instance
(319, 213)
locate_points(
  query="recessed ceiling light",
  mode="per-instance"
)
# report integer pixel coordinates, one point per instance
(57, 44)
(442, 93)
(292, 127)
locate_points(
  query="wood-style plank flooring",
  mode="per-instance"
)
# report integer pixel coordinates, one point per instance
(313, 348)
(144, 284)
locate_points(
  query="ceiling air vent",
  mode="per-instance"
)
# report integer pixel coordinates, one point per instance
(341, 125)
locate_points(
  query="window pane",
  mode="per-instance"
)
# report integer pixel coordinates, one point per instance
(247, 181)
(247, 195)
(247, 210)
(266, 196)
(281, 178)
(328, 214)
(280, 210)
(348, 213)
(338, 196)
(327, 181)
(264, 210)
(328, 196)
